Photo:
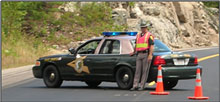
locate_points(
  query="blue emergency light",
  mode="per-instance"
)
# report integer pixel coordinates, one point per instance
(119, 33)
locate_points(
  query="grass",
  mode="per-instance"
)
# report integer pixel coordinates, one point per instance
(21, 52)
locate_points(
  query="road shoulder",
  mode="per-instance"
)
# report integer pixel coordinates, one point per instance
(13, 76)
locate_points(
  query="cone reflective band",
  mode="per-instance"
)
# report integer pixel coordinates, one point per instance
(159, 85)
(198, 88)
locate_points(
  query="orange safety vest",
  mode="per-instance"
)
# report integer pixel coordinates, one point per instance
(142, 42)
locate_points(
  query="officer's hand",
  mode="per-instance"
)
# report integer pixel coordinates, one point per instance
(132, 53)
(149, 58)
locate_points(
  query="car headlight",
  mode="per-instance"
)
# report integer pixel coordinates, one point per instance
(60, 58)
(37, 63)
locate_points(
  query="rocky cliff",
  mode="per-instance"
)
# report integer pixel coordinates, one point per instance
(178, 24)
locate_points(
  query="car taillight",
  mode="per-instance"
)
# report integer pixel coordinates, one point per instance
(159, 61)
(196, 61)
(37, 63)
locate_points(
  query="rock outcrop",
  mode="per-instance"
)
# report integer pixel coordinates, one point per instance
(177, 24)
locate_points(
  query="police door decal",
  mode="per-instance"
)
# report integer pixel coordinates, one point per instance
(78, 64)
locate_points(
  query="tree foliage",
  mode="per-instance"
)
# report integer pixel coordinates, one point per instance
(214, 4)
(18, 48)
(17, 14)
(12, 17)
(38, 19)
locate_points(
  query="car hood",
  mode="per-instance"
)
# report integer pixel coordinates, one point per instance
(53, 56)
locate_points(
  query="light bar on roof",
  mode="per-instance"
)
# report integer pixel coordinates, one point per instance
(119, 33)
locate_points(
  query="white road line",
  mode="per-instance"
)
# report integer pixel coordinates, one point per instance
(125, 94)
(136, 99)
(14, 76)
(18, 83)
(117, 95)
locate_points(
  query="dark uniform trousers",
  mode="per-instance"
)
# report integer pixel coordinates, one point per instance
(142, 69)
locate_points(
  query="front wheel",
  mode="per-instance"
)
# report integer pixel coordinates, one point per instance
(124, 77)
(169, 84)
(51, 77)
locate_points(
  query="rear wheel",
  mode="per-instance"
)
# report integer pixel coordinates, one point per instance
(51, 77)
(93, 83)
(169, 84)
(124, 77)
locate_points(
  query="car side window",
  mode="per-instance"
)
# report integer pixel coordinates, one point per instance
(110, 47)
(89, 48)
(133, 42)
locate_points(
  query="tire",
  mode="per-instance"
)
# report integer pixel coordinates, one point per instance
(124, 77)
(51, 77)
(93, 84)
(169, 84)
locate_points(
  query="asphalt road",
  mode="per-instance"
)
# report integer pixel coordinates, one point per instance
(34, 89)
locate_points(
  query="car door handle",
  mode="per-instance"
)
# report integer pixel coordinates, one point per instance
(88, 60)
(114, 59)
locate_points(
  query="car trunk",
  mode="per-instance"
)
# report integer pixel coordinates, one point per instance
(170, 59)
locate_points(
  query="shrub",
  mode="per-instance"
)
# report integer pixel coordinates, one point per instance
(213, 4)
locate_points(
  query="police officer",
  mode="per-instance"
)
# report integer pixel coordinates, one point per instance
(144, 49)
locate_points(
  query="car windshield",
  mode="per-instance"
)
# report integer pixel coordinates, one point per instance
(158, 46)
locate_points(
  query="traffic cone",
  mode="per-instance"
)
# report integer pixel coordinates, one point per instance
(198, 88)
(159, 85)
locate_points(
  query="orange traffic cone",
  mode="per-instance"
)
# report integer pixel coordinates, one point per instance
(159, 87)
(198, 88)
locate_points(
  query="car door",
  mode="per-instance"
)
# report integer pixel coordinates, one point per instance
(107, 57)
(80, 64)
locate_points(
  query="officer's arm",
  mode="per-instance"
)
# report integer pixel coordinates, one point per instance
(151, 42)
(151, 49)
(134, 49)
(135, 45)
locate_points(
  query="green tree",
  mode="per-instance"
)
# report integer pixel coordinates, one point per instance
(214, 4)
(12, 18)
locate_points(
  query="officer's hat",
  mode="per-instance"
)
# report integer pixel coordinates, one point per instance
(145, 24)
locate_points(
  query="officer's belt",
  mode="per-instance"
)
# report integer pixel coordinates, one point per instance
(145, 51)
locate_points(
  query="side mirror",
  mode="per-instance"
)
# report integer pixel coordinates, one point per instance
(72, 50)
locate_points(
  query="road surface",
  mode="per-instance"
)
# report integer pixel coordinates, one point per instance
(31, 89)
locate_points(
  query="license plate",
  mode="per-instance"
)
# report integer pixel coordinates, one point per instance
(181, 61)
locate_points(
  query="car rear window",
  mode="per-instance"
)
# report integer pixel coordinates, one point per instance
(110, 47)
(158, 46)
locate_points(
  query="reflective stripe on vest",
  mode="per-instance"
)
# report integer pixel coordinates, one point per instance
(142, 45)
(142, 42)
